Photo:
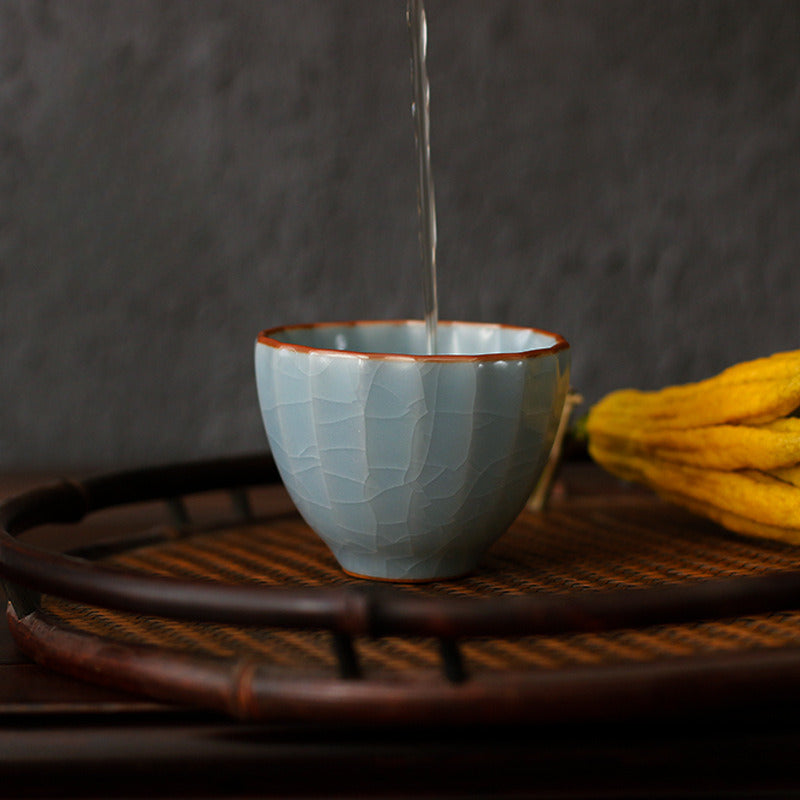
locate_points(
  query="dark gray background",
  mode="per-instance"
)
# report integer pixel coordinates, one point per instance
(175, 176)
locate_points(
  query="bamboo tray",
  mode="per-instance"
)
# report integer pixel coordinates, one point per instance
(605, 606)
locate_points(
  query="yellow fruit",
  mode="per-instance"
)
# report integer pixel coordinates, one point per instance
(724, 447)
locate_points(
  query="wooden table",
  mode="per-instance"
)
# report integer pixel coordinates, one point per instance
(63, 738)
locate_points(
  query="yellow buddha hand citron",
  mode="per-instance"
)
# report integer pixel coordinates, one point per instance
(726, 447)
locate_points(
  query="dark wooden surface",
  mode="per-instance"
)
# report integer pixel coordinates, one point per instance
(63, 738)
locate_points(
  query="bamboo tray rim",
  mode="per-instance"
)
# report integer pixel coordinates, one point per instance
(253, 690)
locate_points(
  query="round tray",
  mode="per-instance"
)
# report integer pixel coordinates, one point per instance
(595, 609)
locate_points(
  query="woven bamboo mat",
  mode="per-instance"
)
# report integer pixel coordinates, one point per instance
(572, 547)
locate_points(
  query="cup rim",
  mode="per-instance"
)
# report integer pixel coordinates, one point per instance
(265, 337)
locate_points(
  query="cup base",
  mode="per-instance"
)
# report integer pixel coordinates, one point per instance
(411, 581)
(407, 570)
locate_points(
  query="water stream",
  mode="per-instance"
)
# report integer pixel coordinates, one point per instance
(418, 30)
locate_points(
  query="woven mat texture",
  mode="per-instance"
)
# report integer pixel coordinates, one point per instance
(571, 547)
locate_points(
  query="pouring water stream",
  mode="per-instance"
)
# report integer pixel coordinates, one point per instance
(418, 30)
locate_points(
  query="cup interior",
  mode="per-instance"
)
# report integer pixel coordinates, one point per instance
(408, 338)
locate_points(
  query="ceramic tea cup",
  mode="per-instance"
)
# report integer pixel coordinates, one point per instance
(408, 465)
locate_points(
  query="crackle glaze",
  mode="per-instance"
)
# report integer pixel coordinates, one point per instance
(407, 465)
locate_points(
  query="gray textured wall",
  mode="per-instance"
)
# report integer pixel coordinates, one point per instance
(175, 176)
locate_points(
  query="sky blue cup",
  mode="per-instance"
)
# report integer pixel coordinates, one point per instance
(407, 465)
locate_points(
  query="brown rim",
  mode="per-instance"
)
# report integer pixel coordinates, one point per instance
(362, 610)
(251, 689)
(265, 337)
